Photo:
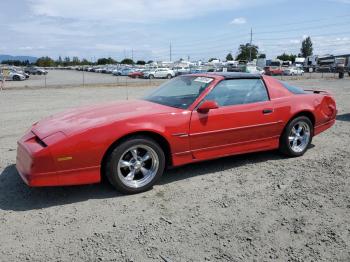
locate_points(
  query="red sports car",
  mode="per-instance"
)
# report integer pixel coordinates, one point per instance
(188, 119)
(136, 74)
(273, 71)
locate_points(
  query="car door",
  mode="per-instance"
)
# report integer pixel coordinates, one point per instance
(245, 121)
(158, 73)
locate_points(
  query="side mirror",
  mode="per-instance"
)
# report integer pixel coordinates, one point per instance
(206, 106)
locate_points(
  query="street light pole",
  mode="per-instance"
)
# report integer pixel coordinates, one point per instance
(250, 45)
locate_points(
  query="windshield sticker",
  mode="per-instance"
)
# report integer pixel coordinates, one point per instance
(201, 79)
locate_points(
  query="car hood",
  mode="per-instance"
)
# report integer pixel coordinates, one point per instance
(84, 118)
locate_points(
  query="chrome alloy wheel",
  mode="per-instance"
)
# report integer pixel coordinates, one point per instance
(137, 166)
(299, 137)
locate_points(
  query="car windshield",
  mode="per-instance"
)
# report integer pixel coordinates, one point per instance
(179, 92)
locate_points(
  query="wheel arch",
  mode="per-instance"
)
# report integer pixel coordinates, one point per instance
(306, 113)
(161, 140)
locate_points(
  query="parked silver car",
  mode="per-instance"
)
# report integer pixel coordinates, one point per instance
(11, 74)
(159, 73)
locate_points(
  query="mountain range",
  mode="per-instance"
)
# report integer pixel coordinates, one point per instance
(31, 59)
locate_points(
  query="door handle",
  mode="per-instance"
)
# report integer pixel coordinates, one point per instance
(267, 111)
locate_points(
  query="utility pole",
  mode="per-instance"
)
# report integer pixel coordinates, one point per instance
(170, 51)
(250, 45)
(132, 54)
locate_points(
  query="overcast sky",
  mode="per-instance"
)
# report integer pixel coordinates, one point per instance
(197, 28)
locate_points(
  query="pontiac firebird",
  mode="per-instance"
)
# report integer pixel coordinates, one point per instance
(188, 119)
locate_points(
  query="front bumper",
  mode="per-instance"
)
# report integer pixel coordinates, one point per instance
(36, 166)
(34, 161)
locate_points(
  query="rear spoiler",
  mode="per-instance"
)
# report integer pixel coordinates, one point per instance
(316, 91)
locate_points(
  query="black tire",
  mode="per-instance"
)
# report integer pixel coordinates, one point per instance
(16, 78)
(169, 76)
(111, 166)
(285, 144)
(151, 76)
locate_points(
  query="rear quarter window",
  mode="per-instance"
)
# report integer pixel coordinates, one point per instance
(293, 89)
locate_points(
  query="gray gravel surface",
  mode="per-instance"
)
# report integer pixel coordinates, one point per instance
(254, 207)
(73, 78)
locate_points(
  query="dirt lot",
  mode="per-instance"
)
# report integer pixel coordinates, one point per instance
(70, 78)
(255, 207)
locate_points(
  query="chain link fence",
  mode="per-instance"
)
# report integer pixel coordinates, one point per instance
(73, 78)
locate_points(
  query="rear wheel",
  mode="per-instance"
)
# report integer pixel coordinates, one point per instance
(16, 78)
(151, 76)
(296, 137)
(135, 165)
(169, 76)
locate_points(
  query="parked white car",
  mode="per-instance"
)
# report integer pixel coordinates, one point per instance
(255, 70)
(159, 73)
(293, 71)
(180, 70)
(12, 75)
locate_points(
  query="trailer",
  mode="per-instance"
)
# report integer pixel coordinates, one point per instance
(299, 61)
(310, 63)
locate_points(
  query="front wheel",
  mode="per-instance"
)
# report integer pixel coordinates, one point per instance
(16, 78)
(151, 76)
(296, 137)
(169, 76)
(135, 165)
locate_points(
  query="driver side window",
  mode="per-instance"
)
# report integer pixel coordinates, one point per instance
(238, 91)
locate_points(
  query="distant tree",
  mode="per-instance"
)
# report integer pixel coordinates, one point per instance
(244, 52)
(150, 62)
(66, 61)
(127, 61)
(103, 61)
(212, 59)
(306, 47)
(111, 60)
(59, 61)
(85, 62)
(75, 60)
(229, 57)
(140, 62)
(262, 56)
(45, 61)
(286, 57)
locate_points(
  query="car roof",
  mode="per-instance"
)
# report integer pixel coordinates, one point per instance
(235, 75)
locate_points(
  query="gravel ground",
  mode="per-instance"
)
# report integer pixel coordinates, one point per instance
(255, 207)
(70, 78)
